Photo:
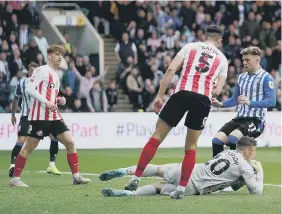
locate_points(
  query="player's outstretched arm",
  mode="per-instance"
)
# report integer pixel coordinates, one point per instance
(253, 177)
(269, 92)
(232, 101)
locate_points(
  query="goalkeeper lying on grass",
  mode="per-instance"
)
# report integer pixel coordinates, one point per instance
(233, 168)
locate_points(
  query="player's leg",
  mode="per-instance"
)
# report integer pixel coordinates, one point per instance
(221, 137)
(169, 117)
(54, 148)
(30, 144)
(22, 133)
(61, 132)
(250, 128)
(35, 134)
(150, 170)
(16, 150)
(195, 122)
(151, 189)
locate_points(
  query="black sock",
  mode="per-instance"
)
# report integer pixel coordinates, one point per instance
(54, 148)
(16, 150)
(216, 149)
(232, 146)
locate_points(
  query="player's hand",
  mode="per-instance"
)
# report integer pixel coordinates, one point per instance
(256, 164)
(61, 101)
(244, 100)
(14, 120)
(158, 104)
(52, 107)
(216, 103)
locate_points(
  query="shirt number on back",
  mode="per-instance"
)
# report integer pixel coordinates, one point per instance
(204, 65)
(219, 170)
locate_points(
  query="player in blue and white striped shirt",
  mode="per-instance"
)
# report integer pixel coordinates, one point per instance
(255, 92)
(20, 93)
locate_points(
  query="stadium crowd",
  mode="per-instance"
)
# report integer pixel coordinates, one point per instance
(149, 34)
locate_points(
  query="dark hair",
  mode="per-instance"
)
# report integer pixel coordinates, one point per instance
(246, 141)
(213, 30)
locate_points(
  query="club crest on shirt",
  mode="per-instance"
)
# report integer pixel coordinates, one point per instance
(271, 84)
(52, 85)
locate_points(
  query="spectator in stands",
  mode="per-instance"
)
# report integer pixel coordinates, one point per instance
(86, 83)
(70, 79)
(135, 87)
(124, 49)
(80, 66)
(13, 42)
(30, 54)
(42, 43)
(17, 63)
(169, 38)
(4, 91)
(40, 59)
(153, 42)
(4, 67)
(25, 16)
(7, 50)
(87, 64)
(101, 14)
(249, 26)
(148, 93)
(267, 36)
(112, 96)
(97, 99)
(23, 36)
(67, 44)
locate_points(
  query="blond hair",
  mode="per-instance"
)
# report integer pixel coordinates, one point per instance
(54, 48)
(252, 50)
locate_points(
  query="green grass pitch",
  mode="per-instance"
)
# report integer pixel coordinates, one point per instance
(56, 194)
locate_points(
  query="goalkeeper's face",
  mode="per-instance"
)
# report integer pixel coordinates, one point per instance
(250, 152)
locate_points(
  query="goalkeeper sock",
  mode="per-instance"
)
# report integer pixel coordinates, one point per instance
(150, 170)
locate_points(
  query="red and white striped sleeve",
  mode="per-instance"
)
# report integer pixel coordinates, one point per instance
(36, 78)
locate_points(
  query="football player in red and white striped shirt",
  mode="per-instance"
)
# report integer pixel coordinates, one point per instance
(204, 72)
(44, 117)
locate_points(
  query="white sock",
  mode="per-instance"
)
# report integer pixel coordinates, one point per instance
(12, 165)
(145, 190)
(75, 175)
(150, 170)
(180, 188)
(16, 178)
(51, 164)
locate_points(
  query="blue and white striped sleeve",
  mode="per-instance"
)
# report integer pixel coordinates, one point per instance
(18, 91)
(269, 92)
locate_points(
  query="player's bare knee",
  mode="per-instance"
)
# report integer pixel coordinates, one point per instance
(221, 136)
(69, 144)
(21, 140)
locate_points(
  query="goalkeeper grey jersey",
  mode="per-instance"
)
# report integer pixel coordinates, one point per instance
(227, 169)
